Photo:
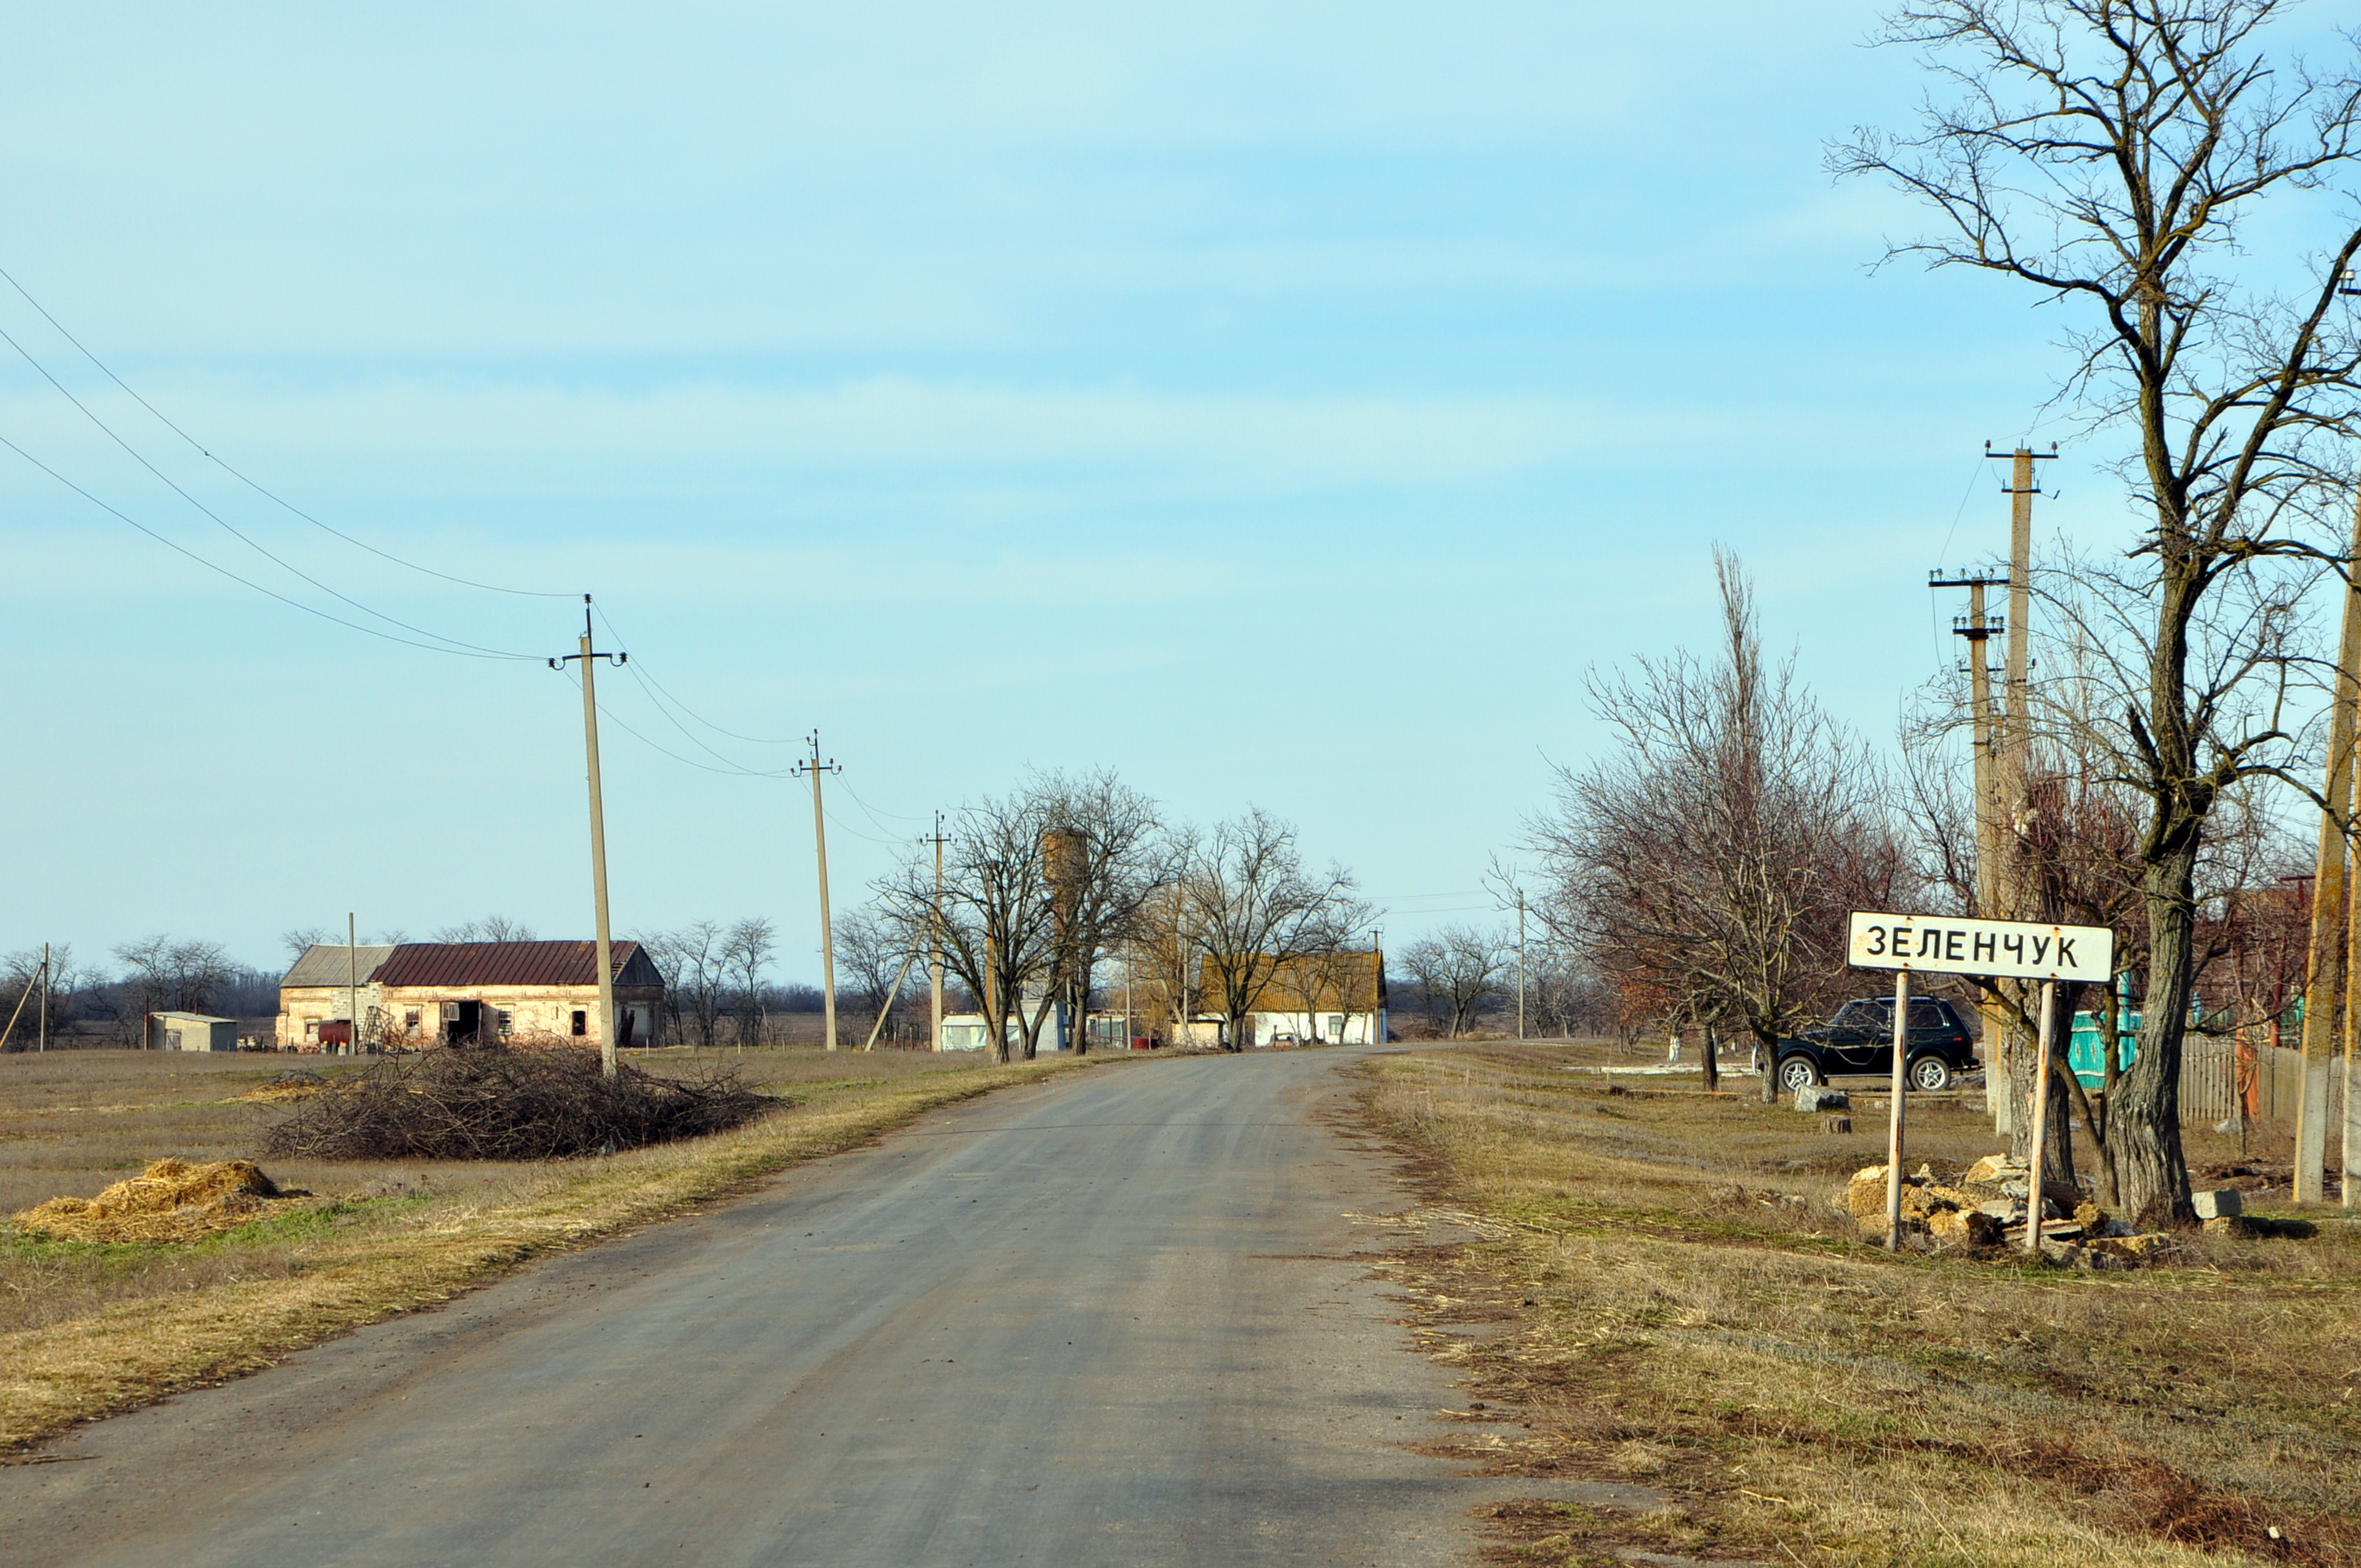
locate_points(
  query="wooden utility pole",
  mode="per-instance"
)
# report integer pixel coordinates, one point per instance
(935, 940)
(44, 1038)
(1983, 729)
(589, 658)
(819, 839)
(2325, 970)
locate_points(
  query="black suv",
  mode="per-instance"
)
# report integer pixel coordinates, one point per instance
(1860, 1039)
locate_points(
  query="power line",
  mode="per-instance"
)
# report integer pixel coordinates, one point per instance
(141, 459)
(732, 734)
(457, 652)
(260, 490)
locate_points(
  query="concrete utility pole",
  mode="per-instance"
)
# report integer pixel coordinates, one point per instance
(819, 838)
(44, 1037)
(935, 940)
(352, 989)
(1983, 729)
(589, 658)
(1520, 963)
(2012, 757)
(2325, 970)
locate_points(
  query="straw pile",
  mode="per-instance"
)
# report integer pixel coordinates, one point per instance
(173, 1201)
(297, 1084)
(503, 1104)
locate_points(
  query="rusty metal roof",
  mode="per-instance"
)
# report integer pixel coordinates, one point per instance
(462, 964)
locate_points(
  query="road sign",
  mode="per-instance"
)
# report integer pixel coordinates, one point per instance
(1948, 944)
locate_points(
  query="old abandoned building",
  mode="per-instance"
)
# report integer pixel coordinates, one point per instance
(424, 993)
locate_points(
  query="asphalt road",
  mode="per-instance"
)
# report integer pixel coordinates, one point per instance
(1116, 1318)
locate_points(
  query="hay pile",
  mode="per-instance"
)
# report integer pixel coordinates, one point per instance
(173, 1201)
(294, 1084)
(503, 1104)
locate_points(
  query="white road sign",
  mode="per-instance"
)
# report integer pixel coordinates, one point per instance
(1947, 944)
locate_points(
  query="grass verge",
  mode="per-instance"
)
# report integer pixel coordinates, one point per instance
(1667, 1296)
(200, 1313)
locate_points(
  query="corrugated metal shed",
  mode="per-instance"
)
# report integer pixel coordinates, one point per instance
(463, 964)
(322, 963)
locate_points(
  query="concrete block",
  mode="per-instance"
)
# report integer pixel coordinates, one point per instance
(2220, 1204)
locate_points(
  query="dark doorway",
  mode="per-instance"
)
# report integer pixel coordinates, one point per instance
(461, 1022)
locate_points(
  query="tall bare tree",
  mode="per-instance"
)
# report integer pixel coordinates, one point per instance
(1459, 967)
(997, 922)
(874, 956)
(1712, 858)
(746, 953)
(170, 976)
(694, 961)
(2107, 155)
(1112, 858)
(1248, 907)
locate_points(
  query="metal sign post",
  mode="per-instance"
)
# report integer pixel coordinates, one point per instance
(2021, 950)
(1893, 1122)
(2032, 1198)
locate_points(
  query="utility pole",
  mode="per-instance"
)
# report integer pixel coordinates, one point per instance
(1983, 728)
(2012, 761)
(935, 938)
(2325, 970)
(819, 838)
(352, 990)
(44, 1037)
(1520, 963)
(589, 658)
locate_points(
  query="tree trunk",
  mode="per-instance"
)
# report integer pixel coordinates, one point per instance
(1712, 1062)
(2143, 1111)
(1766, 1043)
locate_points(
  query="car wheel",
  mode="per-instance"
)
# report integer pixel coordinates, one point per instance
(1799, 1072)
(1932, 1074)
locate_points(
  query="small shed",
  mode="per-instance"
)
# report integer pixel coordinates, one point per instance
(191, 1031)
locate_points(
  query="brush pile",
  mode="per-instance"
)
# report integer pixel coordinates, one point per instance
(502, 1104)
(172, 1200)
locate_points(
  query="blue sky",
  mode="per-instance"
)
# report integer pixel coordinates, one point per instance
(1282, 405)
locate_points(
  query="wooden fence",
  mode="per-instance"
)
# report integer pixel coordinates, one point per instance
(2215, 1070)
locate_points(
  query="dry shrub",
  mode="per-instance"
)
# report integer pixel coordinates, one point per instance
(502, 1104)
(173, 1201)
(293, 1084)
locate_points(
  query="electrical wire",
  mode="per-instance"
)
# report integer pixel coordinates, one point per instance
(732, 734)
(290, 567)
(732, 762)
(267, 494)
(607, 715)
(233, 577)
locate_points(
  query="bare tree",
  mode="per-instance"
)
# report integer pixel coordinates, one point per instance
(874, 955)
(173, 977)
(490, 928)
(696, 962)
(1248, 908)
(1459, 969)
(2107, 155)
(303, 938)
(995, 919)
(746, 953)
(1109, 859)
(1711, 859)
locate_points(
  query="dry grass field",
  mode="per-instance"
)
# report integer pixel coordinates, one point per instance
(86, 1329)
(1666, 1295)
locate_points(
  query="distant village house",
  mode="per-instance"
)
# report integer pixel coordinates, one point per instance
(424, 993)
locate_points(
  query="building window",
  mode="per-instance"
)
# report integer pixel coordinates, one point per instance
(1336, 1031)
(581, 1022)
(312, 1031)
(410, 1021)
(508, 1023)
